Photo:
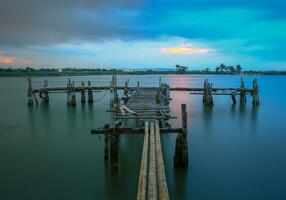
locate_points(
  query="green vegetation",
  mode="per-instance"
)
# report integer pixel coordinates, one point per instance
(222, 69)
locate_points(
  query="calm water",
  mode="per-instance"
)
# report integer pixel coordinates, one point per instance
(235, 152)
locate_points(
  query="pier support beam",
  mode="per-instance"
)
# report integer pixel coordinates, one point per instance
(113, 162)
(30, 93)
(255, 96)
(242, 92)
(82, 92)
(233, 94)
(45, 94)
(89, 93)
(181, 152)
(207, 94)
(71, 99)
(106, 146)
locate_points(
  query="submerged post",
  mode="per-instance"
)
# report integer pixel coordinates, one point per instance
(207, 94)
(30, 93)
(113, 162)
(82, 92)
(89, 93)
(233, 94)
(106, 146)
(73, 98)
(181, 151)
(45, 97)
(255, 96)
(242, 92)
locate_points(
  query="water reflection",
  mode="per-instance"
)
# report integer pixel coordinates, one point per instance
(207, 114)
(254, 116)
(242, 110)
(181, 183)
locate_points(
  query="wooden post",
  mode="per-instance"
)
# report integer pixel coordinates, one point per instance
(89, 93)
(69, 92)
(207, 94)
(152, 178)
(126, 88)
(82, 99)
(161, 177)
(205, 91)
(30, 93)
(113, 150)
(255, 96)
(73, 98)
(138, 85)
(233, 94)
(106, 146)
(45, 98)
(181, 151)
(242, 92)
(168, 93)
(142, 184)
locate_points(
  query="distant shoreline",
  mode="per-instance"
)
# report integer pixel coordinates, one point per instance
(40, 73)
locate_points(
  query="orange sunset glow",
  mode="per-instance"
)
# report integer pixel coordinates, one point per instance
(7, 60)
(184, 49)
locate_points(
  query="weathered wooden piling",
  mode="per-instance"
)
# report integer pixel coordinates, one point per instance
(113, 141)
(45, 94)
(233, 97)
(142, 183)
(161, 177)
(126, 90)
(242, 92)
(89, 93)
(207, 94)
(181, 149)
(82, 92)
(30, 93)
(255, 95)
(106, 146)
(152, 177)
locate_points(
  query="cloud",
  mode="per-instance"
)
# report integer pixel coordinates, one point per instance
(7, 60)
(12, 61)
(185, 49)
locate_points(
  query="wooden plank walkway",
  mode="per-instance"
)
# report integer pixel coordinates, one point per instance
(152, 182)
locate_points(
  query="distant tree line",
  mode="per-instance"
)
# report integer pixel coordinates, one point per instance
(231, 69)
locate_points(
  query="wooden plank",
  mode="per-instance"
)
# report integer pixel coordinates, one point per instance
(161, 176)
(142, 183)
(152, 178)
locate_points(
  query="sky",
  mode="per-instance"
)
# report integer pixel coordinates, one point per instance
(143, 34)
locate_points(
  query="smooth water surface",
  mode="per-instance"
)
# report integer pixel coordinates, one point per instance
(235, 152)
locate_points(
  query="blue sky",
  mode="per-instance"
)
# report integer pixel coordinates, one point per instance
(136, 34)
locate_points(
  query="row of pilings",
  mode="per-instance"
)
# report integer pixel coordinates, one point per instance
(70, 91)
(208, 93)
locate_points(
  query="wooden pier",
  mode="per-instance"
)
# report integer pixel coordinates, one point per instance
(149, 108)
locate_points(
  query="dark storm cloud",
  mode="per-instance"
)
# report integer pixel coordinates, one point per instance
(36, 22)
